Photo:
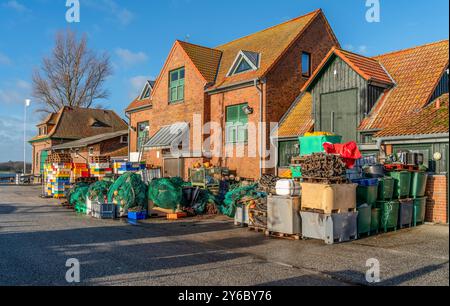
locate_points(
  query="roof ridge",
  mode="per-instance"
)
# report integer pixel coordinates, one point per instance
(411, 48)
(357, 54)
(316, 12)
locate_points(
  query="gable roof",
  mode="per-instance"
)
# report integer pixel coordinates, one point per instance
(368, 68)
(298, 120)
(270, 44)
(205, 59)
(416, 71)
(76, 123)
(84, 142)
(138, 102)
(430, 120)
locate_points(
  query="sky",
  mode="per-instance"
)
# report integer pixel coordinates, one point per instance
(138, 35)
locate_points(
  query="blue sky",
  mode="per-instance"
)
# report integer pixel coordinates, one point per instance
(138, 35)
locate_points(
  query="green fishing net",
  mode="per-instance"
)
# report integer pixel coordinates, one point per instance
(77, 196)
(99, 191)
(128, 191)
(166, 192)
(232, 198)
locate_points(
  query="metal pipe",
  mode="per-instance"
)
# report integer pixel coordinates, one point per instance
(260, 91)
(129, 127)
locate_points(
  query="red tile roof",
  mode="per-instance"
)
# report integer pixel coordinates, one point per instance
(137, 103)
(298, 120)
(416, 72)
(430, 120)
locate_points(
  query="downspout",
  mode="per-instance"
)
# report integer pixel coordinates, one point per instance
(129, 127)
(260, 91)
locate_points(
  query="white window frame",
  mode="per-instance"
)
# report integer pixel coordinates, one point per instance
(237, 61)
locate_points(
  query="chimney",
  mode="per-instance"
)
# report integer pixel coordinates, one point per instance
(438, 103)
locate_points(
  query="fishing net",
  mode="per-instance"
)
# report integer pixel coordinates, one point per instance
(77, 196)
(166, 192)
(236, 194)
(205, 199)
(128, 191)
(99, 191)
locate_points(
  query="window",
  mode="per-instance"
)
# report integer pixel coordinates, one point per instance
(42, 131)
(243, 66)
(142, 133)
(146, 92)
(306, 64)
(123, 139)
(287, 150)
(245, 61)
(176, 85)
(91, 151)
(236, 124)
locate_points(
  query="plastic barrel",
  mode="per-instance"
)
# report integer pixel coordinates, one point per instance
(402, 183)
(385, 188)
(418, 184)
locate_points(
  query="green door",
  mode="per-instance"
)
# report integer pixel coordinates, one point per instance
(338, 114)
(44, 155)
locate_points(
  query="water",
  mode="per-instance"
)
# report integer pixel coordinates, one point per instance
(7, 176)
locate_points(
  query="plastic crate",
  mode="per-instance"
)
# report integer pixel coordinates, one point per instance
(103, 210)
(314, 144)
(405, 215)
(141, 215)
(420, 205)
(296, 171)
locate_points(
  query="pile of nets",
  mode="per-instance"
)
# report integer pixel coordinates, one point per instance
(77, 196)
(166, 192)
(205, 203)
(99, 191)
(235, 195)
(128, 191)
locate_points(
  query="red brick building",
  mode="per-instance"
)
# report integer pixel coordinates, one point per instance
(236, 85)
(68, 125)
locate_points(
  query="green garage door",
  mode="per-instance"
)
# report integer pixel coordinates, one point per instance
(339, 113)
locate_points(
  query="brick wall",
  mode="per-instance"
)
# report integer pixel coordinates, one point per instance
(437, 203)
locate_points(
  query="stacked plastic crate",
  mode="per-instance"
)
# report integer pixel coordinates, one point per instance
(79, 170)
(58, 171)
(121, 167)
(100, 167)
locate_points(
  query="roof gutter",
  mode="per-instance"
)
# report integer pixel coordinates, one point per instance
(232, 86)
(260, 91)
(427, 137)
(137, 109)
(129, 128)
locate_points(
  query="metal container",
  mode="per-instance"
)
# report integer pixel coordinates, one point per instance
(283, 215)
(405, 215)
(330, 228)
(374, 171)
(241, 216)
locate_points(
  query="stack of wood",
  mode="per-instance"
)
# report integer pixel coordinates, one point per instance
(325, 167)
(267, 183)
(99, 159)
(59, 158)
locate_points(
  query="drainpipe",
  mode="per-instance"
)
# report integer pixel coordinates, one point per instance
(260, 91)
(129, 127)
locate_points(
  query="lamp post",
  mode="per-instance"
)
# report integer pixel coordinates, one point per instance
(27, 103)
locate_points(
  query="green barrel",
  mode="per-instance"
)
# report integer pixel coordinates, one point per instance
(314, 144)
(418, 184)
(375, 220)
(389, 214)
(385, 188)
(364, 219)
(367, 195)
(420, 206)
(402, 183)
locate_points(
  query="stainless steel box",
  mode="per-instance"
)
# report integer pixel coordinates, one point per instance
(283, 215)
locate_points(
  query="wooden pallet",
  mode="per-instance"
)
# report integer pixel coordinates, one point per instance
(257, 229)
(240, 224)
(282, 236)
(256, 212)
(325, 212)
(401, 167)
(323, 180)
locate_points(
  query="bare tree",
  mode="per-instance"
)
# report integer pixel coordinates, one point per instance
(72, 75)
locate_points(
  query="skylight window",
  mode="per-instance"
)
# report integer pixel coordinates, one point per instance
(146, 92)
(244, 62)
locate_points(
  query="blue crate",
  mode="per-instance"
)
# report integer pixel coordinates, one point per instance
(366, 182)
(142, 215)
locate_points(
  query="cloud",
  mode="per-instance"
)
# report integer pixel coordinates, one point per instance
(362, 49)
(14, 92)
(5, 60)
(130, 58)
(120, 14)
(15, 5)
(136, 85)
(11, 137)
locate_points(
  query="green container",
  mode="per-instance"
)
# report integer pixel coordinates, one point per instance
(420, 207)
(367, 195)
(385, 188)
(389, 214)
(375, 220)
(296, 171)
(364, 219)
(418, 184)
(314, 144)
(402, 183)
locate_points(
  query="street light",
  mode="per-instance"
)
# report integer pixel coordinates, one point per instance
(27, 104)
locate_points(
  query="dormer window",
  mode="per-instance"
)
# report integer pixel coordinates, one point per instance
(244, 62)
(147, 91)
(42, 130)
(99, 124)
